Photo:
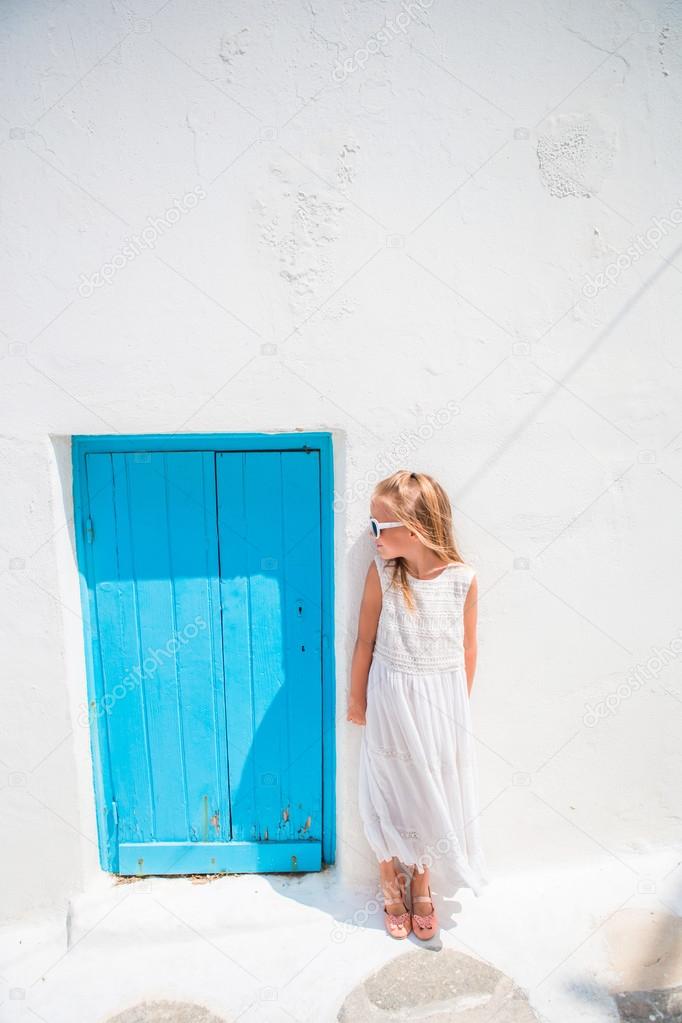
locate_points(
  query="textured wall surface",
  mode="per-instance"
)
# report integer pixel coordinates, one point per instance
(449, 233)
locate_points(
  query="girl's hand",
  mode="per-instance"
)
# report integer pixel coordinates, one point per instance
(356, 711)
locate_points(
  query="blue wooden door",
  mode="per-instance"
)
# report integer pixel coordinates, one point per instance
(205, 570)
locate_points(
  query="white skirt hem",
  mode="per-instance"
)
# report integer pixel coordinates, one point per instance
(418, 780)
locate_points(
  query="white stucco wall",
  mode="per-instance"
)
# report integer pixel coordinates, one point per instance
(390, 221)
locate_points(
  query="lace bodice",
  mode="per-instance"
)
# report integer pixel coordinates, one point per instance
(431, 637)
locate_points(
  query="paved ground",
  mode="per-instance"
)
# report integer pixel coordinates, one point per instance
(306, 949)
(165, 1012)
(448, 987)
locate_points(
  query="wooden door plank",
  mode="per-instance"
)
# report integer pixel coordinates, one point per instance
(156, 582)
(270, 560)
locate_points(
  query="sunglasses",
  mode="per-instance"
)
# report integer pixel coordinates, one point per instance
(376, 527)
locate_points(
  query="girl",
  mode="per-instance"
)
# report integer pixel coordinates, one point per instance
(411, 677)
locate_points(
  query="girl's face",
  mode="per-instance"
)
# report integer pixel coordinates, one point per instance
(393, 542)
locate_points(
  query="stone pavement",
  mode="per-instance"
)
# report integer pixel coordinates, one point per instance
(449, 987)
(561, 947)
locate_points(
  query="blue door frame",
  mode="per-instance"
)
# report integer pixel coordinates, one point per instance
(217, 583)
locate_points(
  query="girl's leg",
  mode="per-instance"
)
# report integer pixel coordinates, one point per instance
(420, 886)
(389, 886)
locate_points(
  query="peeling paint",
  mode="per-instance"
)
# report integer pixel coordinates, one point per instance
(204, 807)
(662, 40)
(575, 154)
(231, 47)
(346, 165)
(301, 233)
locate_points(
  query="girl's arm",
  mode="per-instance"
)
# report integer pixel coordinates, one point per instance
(370, 609)
(470, 640)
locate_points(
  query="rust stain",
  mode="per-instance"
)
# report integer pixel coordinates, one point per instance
(215, 821)
(285, 813)
(307, 824)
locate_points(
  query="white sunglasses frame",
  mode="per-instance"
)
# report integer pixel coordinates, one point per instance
(382, 525)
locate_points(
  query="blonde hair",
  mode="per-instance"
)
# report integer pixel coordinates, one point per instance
(420, 503)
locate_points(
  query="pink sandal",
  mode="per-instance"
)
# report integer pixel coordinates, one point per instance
(424, 926)
(398, 925)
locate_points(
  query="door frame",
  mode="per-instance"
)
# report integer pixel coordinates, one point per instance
(82, 445)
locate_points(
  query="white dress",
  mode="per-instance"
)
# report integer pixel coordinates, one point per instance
(418, 779)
